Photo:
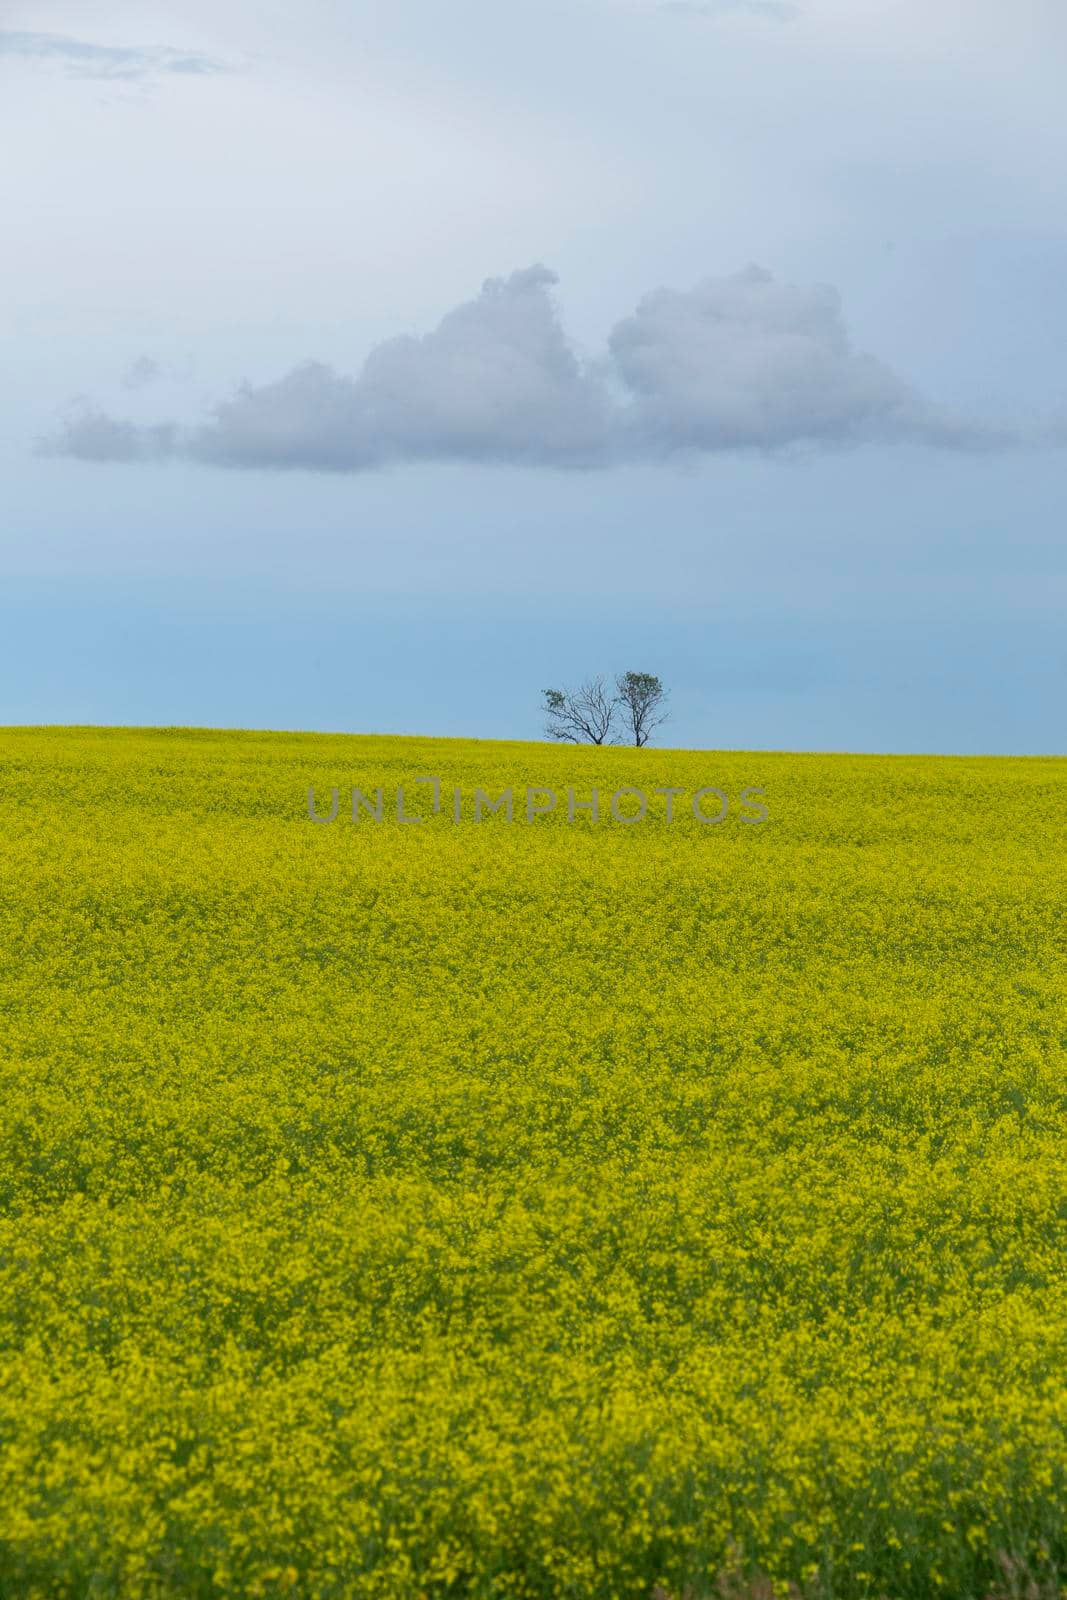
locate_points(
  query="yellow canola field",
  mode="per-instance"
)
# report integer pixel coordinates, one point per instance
(533, 1210)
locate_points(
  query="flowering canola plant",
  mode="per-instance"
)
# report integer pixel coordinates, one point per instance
(539, 1210)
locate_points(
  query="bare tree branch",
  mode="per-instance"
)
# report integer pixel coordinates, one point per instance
(581, 716)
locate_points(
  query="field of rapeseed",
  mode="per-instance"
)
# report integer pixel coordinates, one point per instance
(532, 1210)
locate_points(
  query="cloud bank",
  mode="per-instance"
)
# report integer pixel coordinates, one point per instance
(741, 363)
(83, 60)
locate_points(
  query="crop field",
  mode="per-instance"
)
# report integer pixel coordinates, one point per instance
(533, 1209)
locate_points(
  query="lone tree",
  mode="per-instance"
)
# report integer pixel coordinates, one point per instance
(642, 698)
(580, 716)
(587, 715)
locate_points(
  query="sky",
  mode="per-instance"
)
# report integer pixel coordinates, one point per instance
(373, 367)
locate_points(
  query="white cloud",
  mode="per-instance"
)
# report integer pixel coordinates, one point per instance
(82, 59)
(746, 362)
(736, 363)
(497, 380)
(89, 434)
(142, 372)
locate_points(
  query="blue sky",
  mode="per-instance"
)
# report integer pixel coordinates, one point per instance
(764, 391)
